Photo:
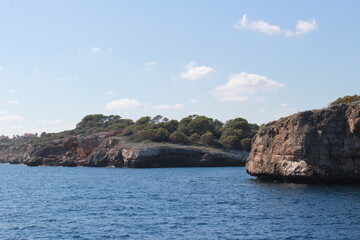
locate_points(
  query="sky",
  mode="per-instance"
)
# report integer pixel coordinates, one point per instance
(260, 60)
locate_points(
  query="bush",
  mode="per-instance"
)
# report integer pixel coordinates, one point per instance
(345, 100)
(246, 144)
(143, 120)
(207, 138)
(194, 138)
(230, 142)
(156, 135)
(178, 137)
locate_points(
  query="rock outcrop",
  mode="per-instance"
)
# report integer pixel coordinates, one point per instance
(106, 150)
(312, 146)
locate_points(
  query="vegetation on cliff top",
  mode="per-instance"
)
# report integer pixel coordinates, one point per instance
(235, 134)
(345, 100)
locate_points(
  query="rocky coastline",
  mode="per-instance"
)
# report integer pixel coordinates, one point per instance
(106, 150)
(312, 146)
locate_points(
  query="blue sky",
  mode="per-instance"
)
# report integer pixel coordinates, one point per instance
(61, 60)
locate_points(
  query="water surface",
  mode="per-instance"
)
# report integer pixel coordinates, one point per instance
(169, 203)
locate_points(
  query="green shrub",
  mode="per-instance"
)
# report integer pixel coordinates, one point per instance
(246, 144)
(178, 137)
(345, 100)
(207, 139)
(155, 135)
(194, 138)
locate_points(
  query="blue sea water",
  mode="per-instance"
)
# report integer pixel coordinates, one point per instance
(169, 203)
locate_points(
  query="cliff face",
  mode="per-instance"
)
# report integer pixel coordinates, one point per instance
(105, 150)
(320, 145)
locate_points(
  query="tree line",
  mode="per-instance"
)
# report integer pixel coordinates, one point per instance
(235, 134)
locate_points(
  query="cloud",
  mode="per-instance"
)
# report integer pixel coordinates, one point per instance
(302, 27)
(11, 91)
(193, 100)
(52, 122)
(1, 68)
(123, 103)
(166, 106)
(109, 93)
(95, 49)
(242, 84)
(98, 50)
(7, 118)
(194, 73)
(260, 26)
(149, 65)
(13, 102)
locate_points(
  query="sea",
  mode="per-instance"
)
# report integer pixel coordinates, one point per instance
(170, 203)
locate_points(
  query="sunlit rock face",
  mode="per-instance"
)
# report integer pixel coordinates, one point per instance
(312, 146)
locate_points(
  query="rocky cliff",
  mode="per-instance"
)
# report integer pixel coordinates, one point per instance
(316, 146)
(106, 150)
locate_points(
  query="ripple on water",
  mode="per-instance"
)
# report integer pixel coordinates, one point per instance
(174, 203)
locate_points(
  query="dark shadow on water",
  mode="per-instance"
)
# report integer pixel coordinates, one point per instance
(271, 183)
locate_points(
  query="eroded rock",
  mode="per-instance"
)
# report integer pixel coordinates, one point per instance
(105, 150)
(319, 146)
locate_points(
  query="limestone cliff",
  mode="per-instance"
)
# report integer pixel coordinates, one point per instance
(106, 150)
(320, 145)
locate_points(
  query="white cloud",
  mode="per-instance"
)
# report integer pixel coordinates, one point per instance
(123, 103)
(98, 50)
(11, 91)
(95, 49)
(149, 65)
(284, 105)
(193, 100)
(166, 106)
(10, 118)
(260, 26)
(194, 73)
(13, 102)
(302, 27)
(109, 93)
(242, 84)
(51, 122)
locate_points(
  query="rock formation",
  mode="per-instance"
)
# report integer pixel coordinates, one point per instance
(312, 146)
(106, 150)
